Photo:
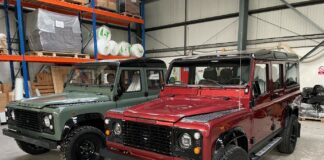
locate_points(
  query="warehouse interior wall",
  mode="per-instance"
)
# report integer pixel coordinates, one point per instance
(273, 24)
(117, 35)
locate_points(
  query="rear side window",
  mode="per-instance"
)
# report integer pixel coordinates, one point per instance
(260, 75)
(291, 74)
(277, 78)
(154, 79)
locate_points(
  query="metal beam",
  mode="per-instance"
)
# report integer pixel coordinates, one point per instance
(185, 29)
(232, 15)
(12, 71)
(311, 51)
(249, 42)
(243, 23)
(303, 16)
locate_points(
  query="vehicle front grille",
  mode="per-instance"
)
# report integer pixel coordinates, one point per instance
(148, 137)
(28, 120)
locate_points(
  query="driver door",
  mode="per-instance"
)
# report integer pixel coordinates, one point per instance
(130, 87)
(262, 102)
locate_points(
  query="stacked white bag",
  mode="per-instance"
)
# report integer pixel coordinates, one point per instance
(106, 46)
(103, 37)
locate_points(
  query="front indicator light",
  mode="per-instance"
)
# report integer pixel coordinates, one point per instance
(107, 132)
(197, 150)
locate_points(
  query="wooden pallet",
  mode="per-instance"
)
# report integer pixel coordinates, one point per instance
(80, 2)
(106, 9)
(311, 118)
(130, 15)
(59, 54)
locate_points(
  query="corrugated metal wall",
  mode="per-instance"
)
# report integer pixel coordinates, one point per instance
(272, 24)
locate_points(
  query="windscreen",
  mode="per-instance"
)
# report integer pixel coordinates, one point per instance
(210, 73)
(93, 75)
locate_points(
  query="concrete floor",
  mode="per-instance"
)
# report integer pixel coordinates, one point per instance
(309, 147)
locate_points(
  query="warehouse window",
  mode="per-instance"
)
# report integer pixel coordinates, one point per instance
(130, 81)
(291, 74)
(154, 79)
(277, 79)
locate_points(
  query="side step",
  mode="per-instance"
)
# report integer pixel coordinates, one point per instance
(267, 148)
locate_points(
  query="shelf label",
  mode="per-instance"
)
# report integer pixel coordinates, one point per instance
(59, 24)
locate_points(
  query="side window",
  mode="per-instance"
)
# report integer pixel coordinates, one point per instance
(277, 79)
(130, 81)
(154, 79)
(291, 74)
(260, 75)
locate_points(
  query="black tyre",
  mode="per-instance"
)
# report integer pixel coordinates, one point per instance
(31, 148)
(83, 143)
(230, 152)
(289, 136)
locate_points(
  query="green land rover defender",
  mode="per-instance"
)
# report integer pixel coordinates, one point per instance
(74, 120)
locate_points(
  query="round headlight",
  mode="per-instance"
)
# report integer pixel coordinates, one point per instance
(117, 129)
(47, 121)
(13, 116)
(185, 141)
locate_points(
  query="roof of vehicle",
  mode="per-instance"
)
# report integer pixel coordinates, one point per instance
(136, 62)
(262, 54)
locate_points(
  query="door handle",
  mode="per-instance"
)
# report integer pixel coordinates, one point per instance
(146, 94)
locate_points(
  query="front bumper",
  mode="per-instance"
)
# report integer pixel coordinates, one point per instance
(39, 142)
(135, 152)
(111, 155)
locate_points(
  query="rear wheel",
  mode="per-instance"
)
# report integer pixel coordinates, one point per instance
(83, 143)
(31, 148)
(289, 136)
(230, 152)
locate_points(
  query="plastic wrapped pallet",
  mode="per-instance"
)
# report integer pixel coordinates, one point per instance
(49, 31)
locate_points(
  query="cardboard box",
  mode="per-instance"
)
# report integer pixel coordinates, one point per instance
(3, 100)
(107, 4)
(6, 87)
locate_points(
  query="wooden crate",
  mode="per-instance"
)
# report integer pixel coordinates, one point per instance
(4, 100)
(81, 2)
(44, 89)
(59, 75)
(6, 87)
(312, 118)
(59, 54)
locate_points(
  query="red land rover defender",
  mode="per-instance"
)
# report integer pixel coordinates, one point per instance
(233, 106)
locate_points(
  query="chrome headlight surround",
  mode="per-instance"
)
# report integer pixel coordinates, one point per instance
(185, 141)
(117, 129)
(48, 123)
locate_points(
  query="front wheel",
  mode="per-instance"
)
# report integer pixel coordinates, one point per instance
(230, 152)
(83, 143)
(31, 148)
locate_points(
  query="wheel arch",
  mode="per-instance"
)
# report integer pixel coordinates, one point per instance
(90, 119)
(234, 136)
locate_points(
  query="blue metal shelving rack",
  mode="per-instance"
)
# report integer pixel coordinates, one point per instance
(22, 38)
